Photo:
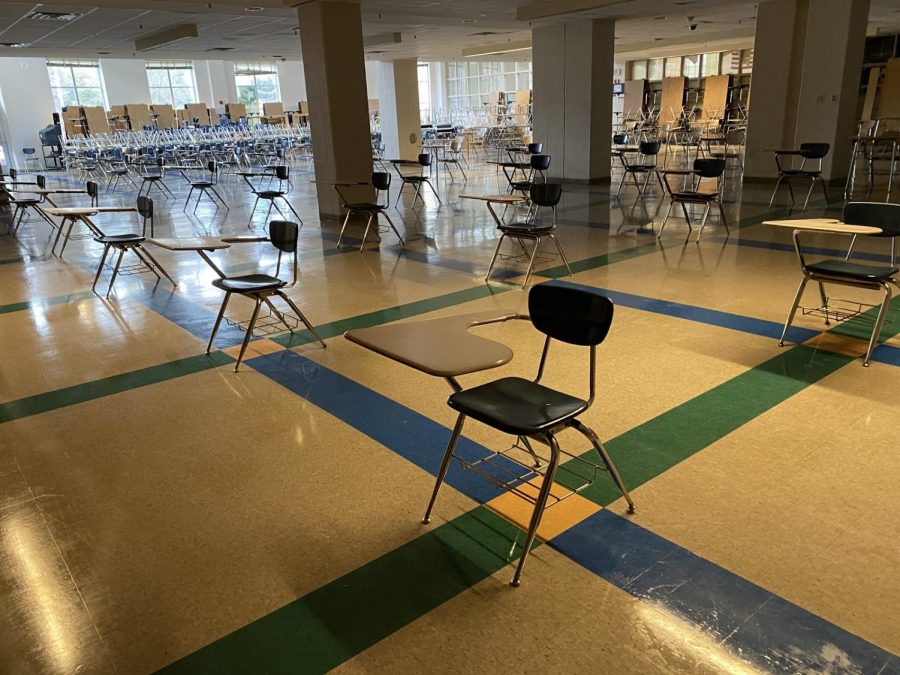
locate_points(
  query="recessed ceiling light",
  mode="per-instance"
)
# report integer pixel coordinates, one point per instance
(13, 44)
(253, 9)
(102, 53)
(470, 20)
(54, 16)
(277, 56)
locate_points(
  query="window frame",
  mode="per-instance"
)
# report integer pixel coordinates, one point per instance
(70, 65)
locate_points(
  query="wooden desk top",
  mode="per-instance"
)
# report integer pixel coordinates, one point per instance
(75, 211)
(500, 199)
(824, 225)
(440, 347)
(190, 243)
(53, 191)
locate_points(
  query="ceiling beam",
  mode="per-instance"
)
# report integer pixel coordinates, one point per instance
(544, 10)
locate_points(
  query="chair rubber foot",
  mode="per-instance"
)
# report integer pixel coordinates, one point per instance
(631, 508)
(781, 344)
(515, 583)
(426, 521)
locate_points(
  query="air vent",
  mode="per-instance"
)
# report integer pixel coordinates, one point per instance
(54, 16)
(220, 49)
(377, 52)
(485, 33)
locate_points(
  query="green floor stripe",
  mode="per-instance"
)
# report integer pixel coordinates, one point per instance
(80, 393)
(341, 619)
(650, 449)
(862, 328)
(45, 302)
(410, 309)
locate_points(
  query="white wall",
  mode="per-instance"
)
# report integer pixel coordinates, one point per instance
(26, 103)
(125, 81)
(215, 83)
(291, 83)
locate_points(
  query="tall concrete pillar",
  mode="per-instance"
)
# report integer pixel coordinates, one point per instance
(333, 63)
(572, 114)
(398, 105)
(807, 62)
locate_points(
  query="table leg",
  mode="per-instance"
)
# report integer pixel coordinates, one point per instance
(211, 263)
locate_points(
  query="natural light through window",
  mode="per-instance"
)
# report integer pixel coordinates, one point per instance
(256, 83)
(171, 83)
(76, 83)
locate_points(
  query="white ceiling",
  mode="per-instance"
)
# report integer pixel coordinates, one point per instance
(430, 29)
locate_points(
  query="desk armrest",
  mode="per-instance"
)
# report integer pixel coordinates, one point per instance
(677, 172)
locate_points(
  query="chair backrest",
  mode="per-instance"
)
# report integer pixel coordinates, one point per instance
(211, 167)
(814, 150)
(13, 173)
(456, 145)
(28, 151)
(92, 190)
(709, 168)
(41, 181)
(540, 162)
(572, 313)
(381, 180)
(545, 194)
(535, 148)
(425, 159)
(145, 206)
(620, 139)
(875, 214)
(650, 147)
(283, 235)
(282, 172)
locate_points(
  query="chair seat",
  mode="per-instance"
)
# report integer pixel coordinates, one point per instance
(521, 185)
(26, 202)
(202, 184)
(851, 270)
(639, 168)
(270, 194)
(690, 196)
(800, 173)
(526, 228)
(517, 406)
(249, 283)
(152, 177)
(414, 179)
(120, 239)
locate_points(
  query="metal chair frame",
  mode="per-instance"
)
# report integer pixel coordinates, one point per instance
(373, 210)
(806, 152)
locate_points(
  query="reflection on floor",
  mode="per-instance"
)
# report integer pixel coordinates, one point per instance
(159, 511)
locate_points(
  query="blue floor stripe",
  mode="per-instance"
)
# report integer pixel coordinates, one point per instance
(747, 620)
(404, 431)
(816, 250)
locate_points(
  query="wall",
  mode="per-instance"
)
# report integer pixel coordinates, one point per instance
(292, 83)
(372, 79)
(125, 81)
(215, 83)
(27, 104)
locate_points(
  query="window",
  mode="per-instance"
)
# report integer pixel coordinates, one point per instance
(673, 67)
(655, 70)
(746, 61)
(711, 64)
(692, 66)
(171, 83)
(76, 83)
(470, 85)
(424, 93)
(638, 70)
(256, 83)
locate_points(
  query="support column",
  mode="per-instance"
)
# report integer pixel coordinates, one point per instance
(807, 62)
(573, 74)
(398, 106)
(333, 63)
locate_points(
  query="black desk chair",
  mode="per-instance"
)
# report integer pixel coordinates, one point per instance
(807, 151)
(847, 273)
(155, 177)
(646, 165)
(206, 187)
(535, 148)
(381, 182)
(417, 179)
(273, 197)
(123, 243)
(574, 314)
(454, 157)
(538, 166)
(93, 191)
(541, 195)
(261, 287)
(703, 169)
(20, 205)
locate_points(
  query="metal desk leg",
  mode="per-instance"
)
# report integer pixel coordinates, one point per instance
(211, 263)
